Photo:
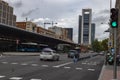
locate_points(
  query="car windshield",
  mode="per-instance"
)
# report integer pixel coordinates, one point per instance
(46, 52)
(72, 51)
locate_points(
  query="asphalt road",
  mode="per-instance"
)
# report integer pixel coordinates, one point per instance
(31, 68)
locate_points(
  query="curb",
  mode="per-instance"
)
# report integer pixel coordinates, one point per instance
(101, 74)
(20, 54)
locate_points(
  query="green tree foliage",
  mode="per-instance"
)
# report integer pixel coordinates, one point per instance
(104, 44)
(98, 46)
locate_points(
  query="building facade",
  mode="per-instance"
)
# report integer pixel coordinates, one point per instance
(70, 33)
(29, 26)
(46, 32)
(92, 32)
(32, 27)
(6, 14)
(60, 32)
(79, 29)
(85, 27)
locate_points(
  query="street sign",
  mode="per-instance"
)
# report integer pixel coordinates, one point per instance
(110, 44)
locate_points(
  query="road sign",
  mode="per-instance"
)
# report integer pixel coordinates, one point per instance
(112, 50)
(110, 44)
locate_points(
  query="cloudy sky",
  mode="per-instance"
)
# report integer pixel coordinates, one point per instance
(64, 12)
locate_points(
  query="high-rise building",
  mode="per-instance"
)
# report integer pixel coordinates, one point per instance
(79, 29)
(92, 32)
(85, 27)
(6, 14)
(69, 33)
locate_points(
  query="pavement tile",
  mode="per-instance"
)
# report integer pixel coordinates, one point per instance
(108, 73)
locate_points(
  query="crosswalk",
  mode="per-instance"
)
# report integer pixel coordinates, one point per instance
(77, 68)
(58, 66)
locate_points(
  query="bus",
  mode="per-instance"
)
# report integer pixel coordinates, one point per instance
(30, 47)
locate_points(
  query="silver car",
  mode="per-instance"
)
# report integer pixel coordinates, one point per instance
(49, 54)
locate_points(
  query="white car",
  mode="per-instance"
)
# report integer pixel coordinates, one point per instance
(49, 54)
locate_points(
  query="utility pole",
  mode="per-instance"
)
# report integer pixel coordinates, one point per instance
(114, 34)
(114, 26)
(115, 53)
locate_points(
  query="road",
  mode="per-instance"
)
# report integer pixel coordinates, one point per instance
(31, 68)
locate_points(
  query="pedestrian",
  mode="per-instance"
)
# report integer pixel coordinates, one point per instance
(75, 58)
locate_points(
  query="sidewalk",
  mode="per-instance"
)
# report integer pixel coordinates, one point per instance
(22, 53)
(107, 73)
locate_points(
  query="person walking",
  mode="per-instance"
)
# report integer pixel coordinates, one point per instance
(75, 58)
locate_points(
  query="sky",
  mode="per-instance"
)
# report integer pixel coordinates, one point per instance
(65, 13)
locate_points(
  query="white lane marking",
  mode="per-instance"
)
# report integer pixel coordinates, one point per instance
(5, 62)
(88, 63)
(15, 78)
(55, 66)
(91, 69)
(24, 64)
(2, 76)
(63, 64)
(34, 64)
(95, 63)
(14, 63)
(79, 68)
(44, 65)
(84, 63)
(67, 67)
(35, 79)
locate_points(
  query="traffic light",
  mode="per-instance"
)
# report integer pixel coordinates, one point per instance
(114, 18)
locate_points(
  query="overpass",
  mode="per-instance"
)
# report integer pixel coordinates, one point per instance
(21, 35)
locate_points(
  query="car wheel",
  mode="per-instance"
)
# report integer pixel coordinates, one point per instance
(58, 59)
(41, 59)
(68, 56)
(53, 59)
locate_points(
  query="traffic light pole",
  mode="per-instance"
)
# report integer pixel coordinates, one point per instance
(115, 53)
(115, 39)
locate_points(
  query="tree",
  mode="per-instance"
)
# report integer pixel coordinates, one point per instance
(96, 46)
(104, 44)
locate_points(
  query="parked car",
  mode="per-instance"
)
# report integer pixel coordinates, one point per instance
(72, 53)
(102, 53)
(49, 54)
